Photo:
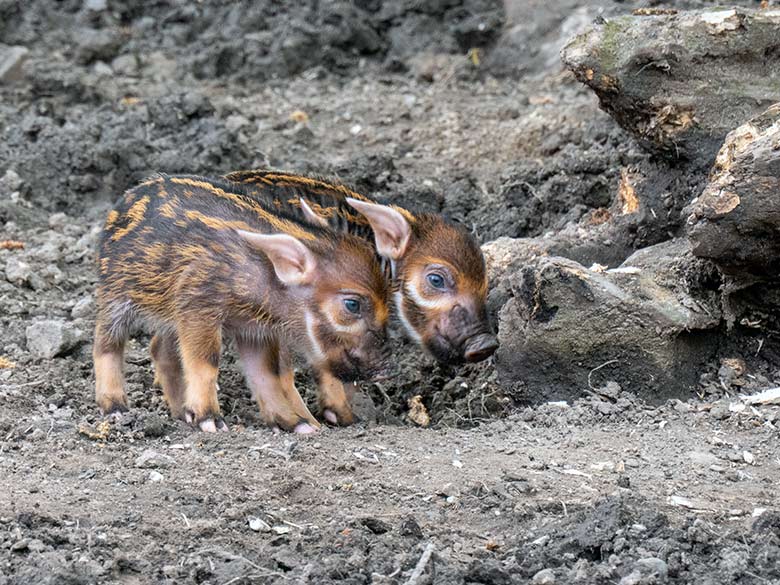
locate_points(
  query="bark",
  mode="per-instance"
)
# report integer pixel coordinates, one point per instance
(736, 220)
(680, 81)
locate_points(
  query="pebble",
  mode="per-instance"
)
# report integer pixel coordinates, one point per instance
(544, 577)
(50, 338)
(10, 182)
(151, 459)
(155, 476)
(17, 271)
(11, 59)
(83, 308)
(653, 566)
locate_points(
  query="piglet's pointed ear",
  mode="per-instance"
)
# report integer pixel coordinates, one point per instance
(391, 230)
(293, 262)
(310, 216)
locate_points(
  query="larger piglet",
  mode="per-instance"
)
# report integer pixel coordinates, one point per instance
(199, 261)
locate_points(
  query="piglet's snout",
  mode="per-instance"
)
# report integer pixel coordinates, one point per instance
(480, 347)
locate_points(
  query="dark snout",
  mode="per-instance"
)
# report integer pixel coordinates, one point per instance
(480, 347)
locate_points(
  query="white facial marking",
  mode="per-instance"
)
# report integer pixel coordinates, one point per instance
(317, 352)
(353, 328)
(420, 301)
(399, 306)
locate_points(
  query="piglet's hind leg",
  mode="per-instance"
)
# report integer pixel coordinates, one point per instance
(168, 371)
(108, 354)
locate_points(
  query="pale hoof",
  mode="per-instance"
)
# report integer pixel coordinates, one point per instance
(330, 416)
(304, 429)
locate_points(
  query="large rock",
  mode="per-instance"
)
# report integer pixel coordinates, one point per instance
(680, 81)
(648, 320)
(736, 220)
(51, 338)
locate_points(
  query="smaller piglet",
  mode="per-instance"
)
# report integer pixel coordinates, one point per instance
(198, 261)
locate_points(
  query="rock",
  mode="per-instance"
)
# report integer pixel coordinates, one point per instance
(681, 80)
(375, 525)
(83, 308)
(151, 459)
(544, 577)
(154, 426)
(17, 271)
(11, 60)
(95, 5)
(96, 44)
(652, 566)
(736, 219)
(125, 65)
(640, 324)
(10, 182)
(51, 338)
(409, 527)
(155, 476)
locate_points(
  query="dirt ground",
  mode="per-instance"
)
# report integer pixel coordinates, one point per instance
(433, 105)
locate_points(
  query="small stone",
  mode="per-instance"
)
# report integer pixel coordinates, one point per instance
(610, 390)
(17, 271)
(83, 307)
(11, 60)
(36, 545)
(409, 527)
(95, 5)
(50, 338)
(155, 476)
(151, 459)
(653, 566)
(20, 545)
(154, 426)
(11, 181)
(259, 525)
(235, 122)
(125, 65)
(375, 525)
(544, 577)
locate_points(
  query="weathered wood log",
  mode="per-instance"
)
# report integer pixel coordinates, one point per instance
(566, 329)
(736, 220)
(680, 81)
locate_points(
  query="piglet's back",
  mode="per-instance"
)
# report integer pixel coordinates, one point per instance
(167, 225)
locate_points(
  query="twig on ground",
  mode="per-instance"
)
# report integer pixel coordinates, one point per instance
(421, 564)
(597, 368)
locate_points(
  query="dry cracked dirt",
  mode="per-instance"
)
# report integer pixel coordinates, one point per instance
(459, 106)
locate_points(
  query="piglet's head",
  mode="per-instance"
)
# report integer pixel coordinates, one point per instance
(440, 288)
(335, 301)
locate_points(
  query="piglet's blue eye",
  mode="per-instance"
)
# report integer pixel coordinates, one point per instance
(436, 280)
(352, 305)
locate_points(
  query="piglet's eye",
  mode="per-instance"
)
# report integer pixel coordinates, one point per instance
(436, 280)
(352, 305)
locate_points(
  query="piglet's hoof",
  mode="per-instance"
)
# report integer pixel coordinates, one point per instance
(302, 428)
(207, 424)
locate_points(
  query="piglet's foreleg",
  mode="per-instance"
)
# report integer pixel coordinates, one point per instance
(200, 345)
(269, 375)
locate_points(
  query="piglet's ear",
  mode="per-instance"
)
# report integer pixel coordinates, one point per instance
(310, 216)
(391, 230)
(293, 262)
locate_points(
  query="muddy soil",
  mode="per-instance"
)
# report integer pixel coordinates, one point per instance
(458, 106)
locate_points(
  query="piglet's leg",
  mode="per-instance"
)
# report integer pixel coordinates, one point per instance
(200, 346)
(168, 371)
(108, 354)
(269, 375)
(335, 398)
